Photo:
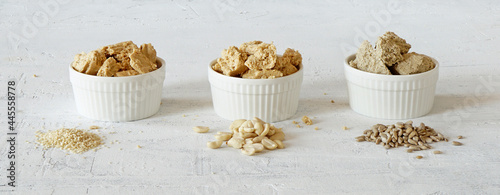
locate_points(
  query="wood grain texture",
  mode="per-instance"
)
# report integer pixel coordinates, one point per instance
(461, 35)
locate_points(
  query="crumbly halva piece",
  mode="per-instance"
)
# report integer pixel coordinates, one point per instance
(123, 65)
(141, 63)
(121, 52)
(256, 63)
(122, 47)
(149, 51)
(413, 63)
(287, 69)
(217, 67)
(294, 56)
(366, 60)
(232, 61)
(250, 47)
(282, 62)
(261, 74)
(390, 48)
(88, 63)
(109, 68)
(79, 63)
(289, 62)
(127, 73)
(95, 59)
(260, 55)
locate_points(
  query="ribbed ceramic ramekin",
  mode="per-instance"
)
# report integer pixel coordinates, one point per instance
(271, 100)
(390, 96)
(118, 98)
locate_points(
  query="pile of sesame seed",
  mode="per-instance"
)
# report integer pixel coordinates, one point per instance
(74, 140)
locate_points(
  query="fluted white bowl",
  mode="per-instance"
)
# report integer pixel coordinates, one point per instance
(118, 98)
(390, 96)
(271, 100)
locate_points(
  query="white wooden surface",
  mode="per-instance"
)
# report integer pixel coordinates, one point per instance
(462, 35)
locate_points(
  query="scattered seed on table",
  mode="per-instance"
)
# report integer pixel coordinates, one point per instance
(419, 157)
(455, 143)
(460, 137)
(360, 138)
(409, 150)
(201, 129)
(437, 152)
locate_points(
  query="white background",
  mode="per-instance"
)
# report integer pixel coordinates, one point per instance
(41, 37)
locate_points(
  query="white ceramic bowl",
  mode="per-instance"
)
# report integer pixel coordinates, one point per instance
(390, 96)
(271, 100)
(118, 98)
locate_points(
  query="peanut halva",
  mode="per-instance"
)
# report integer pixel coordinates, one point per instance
(117, 60)
(257, 60)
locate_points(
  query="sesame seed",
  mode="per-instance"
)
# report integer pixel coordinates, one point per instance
(73, 140)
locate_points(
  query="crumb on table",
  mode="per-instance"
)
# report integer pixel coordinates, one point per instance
(307, 120)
